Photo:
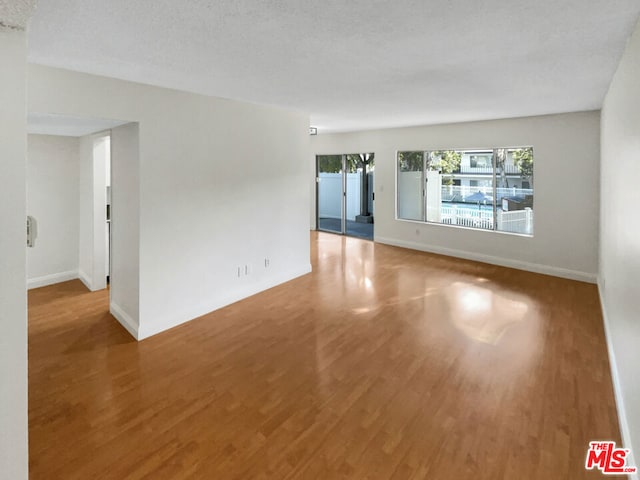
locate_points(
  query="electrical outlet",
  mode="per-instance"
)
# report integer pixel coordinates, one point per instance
(247, 269)
(266, 263)
(239, 271)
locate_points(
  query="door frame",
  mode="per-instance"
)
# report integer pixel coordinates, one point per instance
(343, 202)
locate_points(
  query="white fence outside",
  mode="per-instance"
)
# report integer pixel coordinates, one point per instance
(466, 217)
(330, 195)
(410, 201)
(518, 221)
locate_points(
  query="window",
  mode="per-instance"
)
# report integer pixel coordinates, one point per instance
(489, 190)
(480, 161)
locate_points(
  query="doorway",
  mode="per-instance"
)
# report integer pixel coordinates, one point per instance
(102, 208)
(345, 194)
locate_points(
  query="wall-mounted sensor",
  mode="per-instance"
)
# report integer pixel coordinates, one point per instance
(32, 231)
(313, 131)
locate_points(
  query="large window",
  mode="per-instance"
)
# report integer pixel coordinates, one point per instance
(486, 189)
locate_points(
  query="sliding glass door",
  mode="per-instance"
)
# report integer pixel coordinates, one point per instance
(345, 198)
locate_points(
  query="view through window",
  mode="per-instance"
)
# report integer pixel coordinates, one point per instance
(345, 196)
(488, 189)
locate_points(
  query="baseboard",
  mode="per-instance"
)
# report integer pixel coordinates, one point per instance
(503, 262)
(51, 279)
(617, 389)
(125, 320)
(84, 278)
(161, 324)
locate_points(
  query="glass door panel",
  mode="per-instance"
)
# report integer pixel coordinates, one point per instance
(330, 190)
(359, 195)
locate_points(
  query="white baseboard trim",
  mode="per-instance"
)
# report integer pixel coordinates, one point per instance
(51, 279)
(125, 320)
(161, 324)
(503, 262)
(617, 388)
(84, 278)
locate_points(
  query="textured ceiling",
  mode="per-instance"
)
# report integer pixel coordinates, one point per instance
(353, 64)
(14, 14)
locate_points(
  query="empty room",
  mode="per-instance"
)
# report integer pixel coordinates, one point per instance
(319, 240)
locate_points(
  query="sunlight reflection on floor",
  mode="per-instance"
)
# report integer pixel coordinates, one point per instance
(482, 314)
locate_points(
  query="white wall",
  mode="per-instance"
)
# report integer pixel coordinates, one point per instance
(85, 210)
(565, 147)
(92, 205)
(13, 281)
(223, 184)
(620, 237)
(101, 151)
(52, 198)
(125, 232)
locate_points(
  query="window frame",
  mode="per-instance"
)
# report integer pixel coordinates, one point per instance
(494, 177)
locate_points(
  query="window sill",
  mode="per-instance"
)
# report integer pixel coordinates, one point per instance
(463, 227)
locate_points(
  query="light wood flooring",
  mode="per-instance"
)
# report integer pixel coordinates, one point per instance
(384, 363)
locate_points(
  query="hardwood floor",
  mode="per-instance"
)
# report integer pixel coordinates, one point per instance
(384, 363)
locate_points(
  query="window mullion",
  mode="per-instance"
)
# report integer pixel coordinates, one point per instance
(495, 189)
(424, 185)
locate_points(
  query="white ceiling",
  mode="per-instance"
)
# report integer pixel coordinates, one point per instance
(354, 64)
(67, 126)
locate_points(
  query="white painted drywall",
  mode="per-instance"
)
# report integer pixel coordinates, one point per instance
(566, 150)
(223, 184)
(52, 199)
(85, 210)
(92, 211)
(619, 275)
(63, 125)
(101, 152)
(13, 279)
(125, 214)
